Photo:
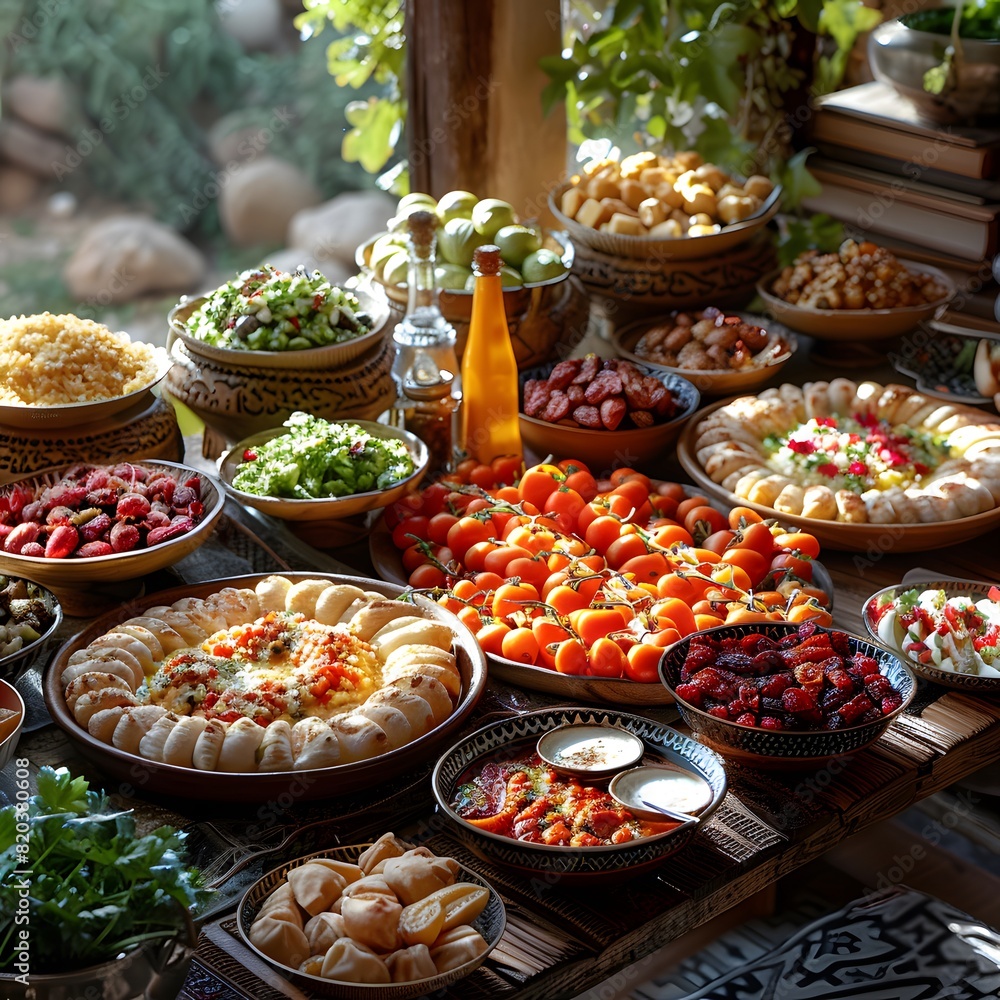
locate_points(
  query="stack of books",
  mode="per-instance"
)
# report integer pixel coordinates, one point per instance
(928, 192)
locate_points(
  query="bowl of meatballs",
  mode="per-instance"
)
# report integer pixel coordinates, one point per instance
(719, 352)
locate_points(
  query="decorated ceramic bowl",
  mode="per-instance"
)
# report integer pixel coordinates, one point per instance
(755, 745)
(517, 737)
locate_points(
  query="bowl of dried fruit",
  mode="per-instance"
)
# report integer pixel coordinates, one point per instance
(72, 527)
(777, 694)
(608, 413)
(720, 352)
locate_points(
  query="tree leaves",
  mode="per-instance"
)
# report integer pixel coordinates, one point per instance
(372, 139)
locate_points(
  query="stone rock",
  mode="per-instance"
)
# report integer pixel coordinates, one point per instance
(33, 149)
(126, 256)
(257, 201)
(231, 139)
(334, 229)
(255, 24)
(42, 101)
(17, 188)
(290, 258)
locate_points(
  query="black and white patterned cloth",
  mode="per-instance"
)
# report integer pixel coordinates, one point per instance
(893, 945)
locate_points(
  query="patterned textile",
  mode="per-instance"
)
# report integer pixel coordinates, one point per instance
(894, 945)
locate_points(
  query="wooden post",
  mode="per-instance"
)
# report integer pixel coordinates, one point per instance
(474, 115)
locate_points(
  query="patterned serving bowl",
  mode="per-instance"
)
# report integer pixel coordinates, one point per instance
(517, 736)
(972, 589)
(757, 747)
(490, 923)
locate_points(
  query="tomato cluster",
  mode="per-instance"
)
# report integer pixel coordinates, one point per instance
(587, 578)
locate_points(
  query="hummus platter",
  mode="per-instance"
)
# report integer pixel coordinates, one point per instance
(852, 456)
(257, 677)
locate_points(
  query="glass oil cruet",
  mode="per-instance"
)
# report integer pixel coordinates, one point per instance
(423, 334)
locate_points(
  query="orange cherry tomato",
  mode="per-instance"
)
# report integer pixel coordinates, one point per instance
(800, 541)
(683, 588)
(511, 597)
(679, 613)
(474, 559)
(490, 637)
(757, 537)
(414, 556)
(548, 634)
(521, 645)
(707, 621)
(741, 616)
(538, 482)
(483, 477)
(740, 517)
(626, 475)
(426, 576)
(606, 659)
(591, 624)
(532, 537)
(488, 582)
(508, 494)
(809, 612)
(647, 568)
(565, 504)
(635, 490)
(624, 549)
(507, 469)
(698, 500)
(565, 599)
(672, 534)
(602, 532)
(570, 657)
(462, 470)
(663, 506)
(464, 590)
(465, 532)
(529, 570)
(719, 541)
(675, 491)
(498, 559)
(642, 662)
(750, 561)
(704, 521)
(471, 619)
(662, 638)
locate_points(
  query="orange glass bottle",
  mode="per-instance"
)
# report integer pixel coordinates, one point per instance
(490, 426)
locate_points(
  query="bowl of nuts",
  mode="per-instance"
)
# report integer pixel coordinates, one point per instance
(70, 528)
(719, 352)
(663, 207)
(858, 293)
(607, 413)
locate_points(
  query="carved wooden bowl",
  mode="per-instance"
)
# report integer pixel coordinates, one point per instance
(236, 401)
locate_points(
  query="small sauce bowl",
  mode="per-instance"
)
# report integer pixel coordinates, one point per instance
(655, 791)
(589, 751)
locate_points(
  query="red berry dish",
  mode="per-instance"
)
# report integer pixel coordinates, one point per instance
(798, 691)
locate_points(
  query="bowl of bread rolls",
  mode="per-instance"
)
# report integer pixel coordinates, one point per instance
(672, 207)
(384, 921)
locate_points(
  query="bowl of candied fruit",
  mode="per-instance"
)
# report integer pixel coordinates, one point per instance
(777, 694)
(72, 527)
(860, 292)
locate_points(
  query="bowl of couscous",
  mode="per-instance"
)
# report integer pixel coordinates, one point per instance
(64, 371)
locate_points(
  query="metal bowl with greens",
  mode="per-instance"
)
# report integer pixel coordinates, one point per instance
(312, 469)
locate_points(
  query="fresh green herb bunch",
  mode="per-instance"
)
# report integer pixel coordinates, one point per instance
(318, 459)
(95, 888)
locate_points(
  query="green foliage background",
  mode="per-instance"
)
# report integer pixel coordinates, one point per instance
(156, 155)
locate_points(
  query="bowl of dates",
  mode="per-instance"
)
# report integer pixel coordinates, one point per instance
(607, 413)
(785, 695)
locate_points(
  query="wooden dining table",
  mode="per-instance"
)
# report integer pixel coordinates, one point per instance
(560, 940)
